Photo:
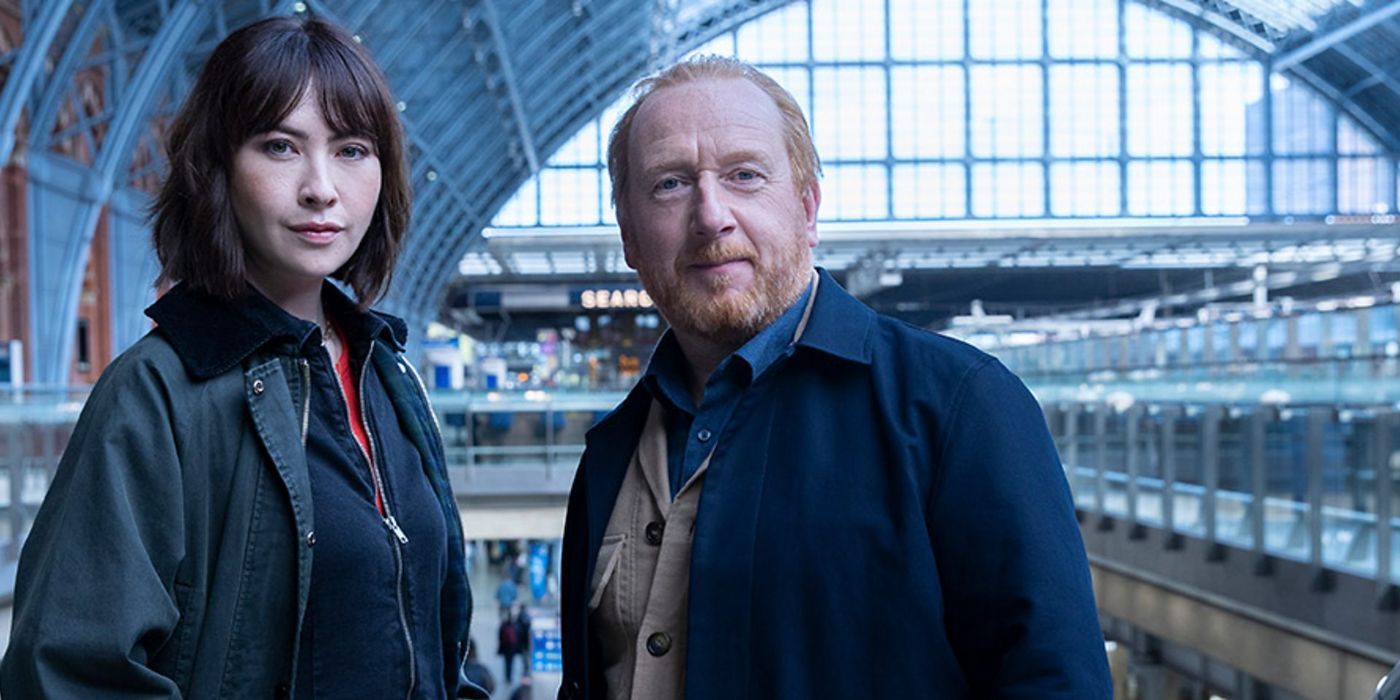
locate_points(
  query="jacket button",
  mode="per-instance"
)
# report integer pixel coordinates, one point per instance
(655, 529)
(703, 435)
(658, 644)
(258, 386)
(311, 538)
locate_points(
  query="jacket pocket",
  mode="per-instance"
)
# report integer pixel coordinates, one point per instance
(609, 555)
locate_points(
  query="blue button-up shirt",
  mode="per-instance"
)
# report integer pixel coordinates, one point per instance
(692, 431)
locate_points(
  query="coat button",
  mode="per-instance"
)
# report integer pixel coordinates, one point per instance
(311, 538)
(258, 386)
(658, 644)
(703, 435)
(654, 530)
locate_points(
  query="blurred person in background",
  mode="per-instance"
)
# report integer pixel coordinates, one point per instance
(801, 498)
(256, 492)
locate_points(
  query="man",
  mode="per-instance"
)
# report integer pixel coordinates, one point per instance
(803, 499)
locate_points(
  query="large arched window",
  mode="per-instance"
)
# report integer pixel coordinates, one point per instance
(951, 110)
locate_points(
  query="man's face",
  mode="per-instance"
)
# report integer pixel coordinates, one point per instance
(711, 219)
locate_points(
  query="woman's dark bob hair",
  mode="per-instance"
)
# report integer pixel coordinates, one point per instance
(253, 80)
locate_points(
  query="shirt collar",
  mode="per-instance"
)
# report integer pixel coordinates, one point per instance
(212, 335)
(666, 375)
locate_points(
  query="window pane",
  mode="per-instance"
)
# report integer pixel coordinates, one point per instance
(1232, 109)
(1004, 28)
(1006, 111)
(1302, 121)
(855, 192)
(1233, 187)
(521, 210)
(1364, 185)
(1008, 190)
(1084, 189)
(779, 37)
(1159, 110)
(1353, 140)
(930, 191)
(1160, 188)
(920, 29)
(1084, 110)
(569, 197)
(1083, 28)
(798, 82)
(928, 111)
(722, 45)
(581, 149)
(848, 30)
(1303, 186)
(1211, 47)
(1152, 34)
(849, 113)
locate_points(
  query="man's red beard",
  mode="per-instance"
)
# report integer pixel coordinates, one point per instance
(712, 308)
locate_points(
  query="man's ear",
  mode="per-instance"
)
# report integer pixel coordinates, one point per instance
(811, 202)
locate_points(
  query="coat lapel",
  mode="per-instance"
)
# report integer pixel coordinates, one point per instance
(609, 447)
(722, 554)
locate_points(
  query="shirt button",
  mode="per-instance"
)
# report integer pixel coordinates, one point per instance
(655, 529)
(703, 435)
(311, 539)
(257, 386)
(658, 644)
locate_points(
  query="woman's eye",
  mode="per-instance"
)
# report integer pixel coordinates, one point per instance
(354, 152)
(278, 147)
(745, 175)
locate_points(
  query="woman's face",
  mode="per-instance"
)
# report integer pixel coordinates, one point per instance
(303, 197)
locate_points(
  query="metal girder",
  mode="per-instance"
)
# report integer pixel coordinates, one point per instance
(1201, 13)
(62, 78)
(495, 44)
(38, 38)
(1275, 280)
(423, 74)
(409, 35)
(59, 249)
(1337, 35)
(133, 266)
(1386, 135)
(1366, 64)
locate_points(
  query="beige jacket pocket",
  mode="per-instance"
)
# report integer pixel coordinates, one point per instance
(609, 554)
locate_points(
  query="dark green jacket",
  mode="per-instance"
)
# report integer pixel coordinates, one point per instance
(173, 555)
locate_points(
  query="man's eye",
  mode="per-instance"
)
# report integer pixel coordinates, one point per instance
(669, 183)
(746, 175)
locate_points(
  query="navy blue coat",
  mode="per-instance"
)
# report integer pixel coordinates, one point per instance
(885, 516)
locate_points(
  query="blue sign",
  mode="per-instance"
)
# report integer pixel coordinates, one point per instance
(546, 654)
(539, 570)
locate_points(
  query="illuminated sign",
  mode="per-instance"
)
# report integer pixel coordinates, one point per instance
(615, 299)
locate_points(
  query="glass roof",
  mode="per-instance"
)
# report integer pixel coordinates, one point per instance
(1289, 15)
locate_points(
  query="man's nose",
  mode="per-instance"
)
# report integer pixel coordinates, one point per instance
(713, 214)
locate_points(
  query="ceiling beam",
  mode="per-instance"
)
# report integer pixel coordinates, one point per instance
(1337, 35)
(493, 42)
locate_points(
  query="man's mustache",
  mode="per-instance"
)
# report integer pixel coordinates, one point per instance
(726, 250)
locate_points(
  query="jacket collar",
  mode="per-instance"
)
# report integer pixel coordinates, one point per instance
(840, 324)
(211, 336)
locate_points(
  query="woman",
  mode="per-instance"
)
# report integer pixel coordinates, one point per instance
(254, 501)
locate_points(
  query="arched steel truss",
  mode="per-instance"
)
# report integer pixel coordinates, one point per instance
(487, 89)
